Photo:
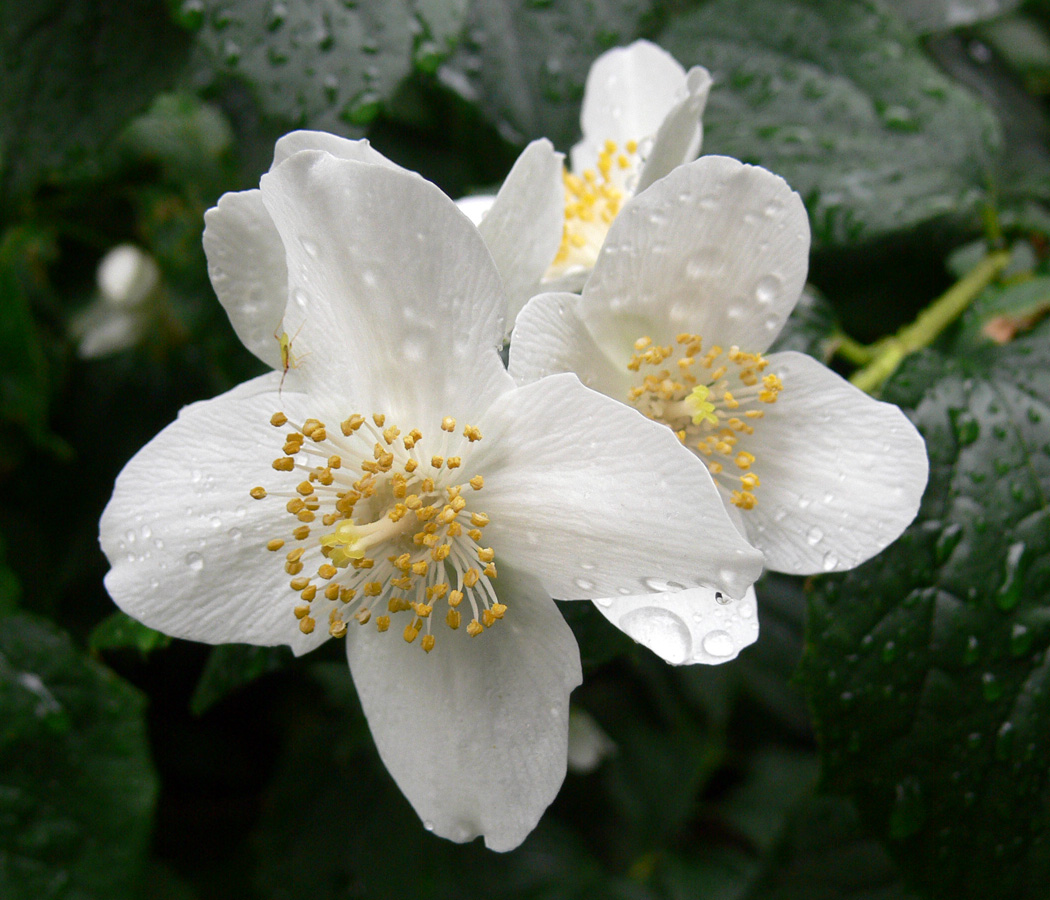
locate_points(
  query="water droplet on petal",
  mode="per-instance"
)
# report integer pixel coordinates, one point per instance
(661, 631)
(814, 536)
(584, 584)
(718, 643)
(767, 288)
(195, 561)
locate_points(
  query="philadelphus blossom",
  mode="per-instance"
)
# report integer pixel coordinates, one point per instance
(388, 485)
(696, 278)
(640, 119)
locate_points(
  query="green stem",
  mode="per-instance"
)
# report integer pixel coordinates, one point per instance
(890, 352)
(852, 351)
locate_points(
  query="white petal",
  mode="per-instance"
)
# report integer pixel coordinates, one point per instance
(340, 147)
(679, 137)
(476, 206)
(475, 732)
(524, 226)
(550, 338)
(699, 625)
(841, 474)
(186, 542)
(596, 500)
(392, 287)
(715, 248)
(247, 269)
(628, 93)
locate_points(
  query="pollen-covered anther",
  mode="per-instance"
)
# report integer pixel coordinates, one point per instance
(474, 628)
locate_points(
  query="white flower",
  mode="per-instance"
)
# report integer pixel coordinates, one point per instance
(696, 278)
(640, 119)
(375, 483)
(128, 280)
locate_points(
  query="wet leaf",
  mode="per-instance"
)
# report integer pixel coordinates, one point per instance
(928, 669)
(73, 72)
(840, 100)
(524, 63)
(76, 784)
(326, 64)
(120, 630)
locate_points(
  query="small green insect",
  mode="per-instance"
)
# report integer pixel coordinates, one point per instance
(288, 359)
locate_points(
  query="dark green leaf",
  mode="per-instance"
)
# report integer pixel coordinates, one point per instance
(120, 630)
(840, 100)
(824, 854)
(524, 63)
(232, 666)
(928, 669)
(74, 71)
(811, 328)
(323, 63)
(78, 788)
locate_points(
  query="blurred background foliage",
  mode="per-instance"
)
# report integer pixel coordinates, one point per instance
(887, 737)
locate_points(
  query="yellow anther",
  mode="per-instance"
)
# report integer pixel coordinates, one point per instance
(470, 577)
(373, 588)
(427, 487)
(304, 488)
(448, 424)
(474, 628)
(258, 492)
(750, 481)
(487, 618)
(714, 467)
(284, 464)
(474, 534)
(499, 610)
(441, 552)
(455, 598)
(411, 465)
(479, 519)
(437, 461)
(275, 544)
(454, 462)
(379, 419)
(420, 568)
(410, 633)
(305, 515)
(744, 459)
(309, 593)
(382, 622)
(472, 433)
(297, 584)
(327, 572)
(422, 610)
(489, 571)
(337, 628)
(486, 554)
(306, 624)
(294, 555)
(452, 618)
(278, 419)
(477, 482)
(349, 426)
(346, 595)
(427, 643)
(301, 610)
(363, 615)
(631, 146)
(335, 462)
(293, 568)
(390, 434)
(331, 591)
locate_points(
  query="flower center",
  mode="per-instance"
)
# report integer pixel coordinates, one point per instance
(379, 528)
(711, 400)
(592, 201)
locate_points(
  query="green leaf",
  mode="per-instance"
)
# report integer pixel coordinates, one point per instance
(928, 669)
(74, 71)
(119, 630)
(326, 64)
(232, 666)
(938, 15)
(841, 101)
(811, 328)
(524, 63)
(76, 784)
(824, 854)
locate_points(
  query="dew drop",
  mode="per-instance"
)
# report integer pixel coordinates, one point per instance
(721, 598)
(130, 537)
(831, 562)
(814, 536)
(604, 601)
(767, 288)
(718, 643)
(747, 610)
(310, 247)
(234, 534)
(661, 631)
(428, 825)
(195, 561)
(584, 584)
